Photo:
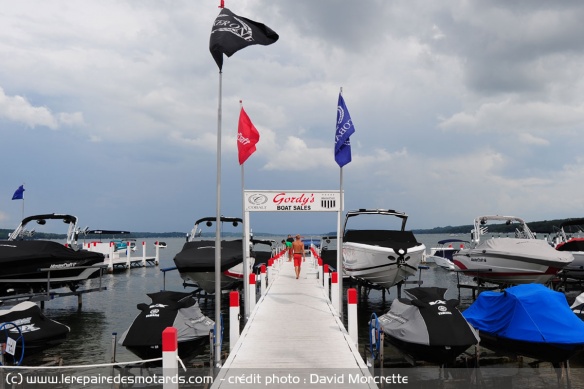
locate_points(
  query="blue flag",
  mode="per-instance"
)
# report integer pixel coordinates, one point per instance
(19, 194)
(345, 129)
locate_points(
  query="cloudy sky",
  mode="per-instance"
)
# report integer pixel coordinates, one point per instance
(108, 110)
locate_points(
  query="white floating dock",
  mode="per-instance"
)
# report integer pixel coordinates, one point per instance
(116, 260)
(294, 338)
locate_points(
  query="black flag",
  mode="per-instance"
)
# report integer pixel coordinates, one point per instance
(232, 33)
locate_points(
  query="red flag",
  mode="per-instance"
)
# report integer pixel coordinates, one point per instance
(247, 137)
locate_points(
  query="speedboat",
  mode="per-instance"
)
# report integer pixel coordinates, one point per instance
(168, 309)
(328, 251)
(309, 242)
(196, 261)
(380, 257)
(513, 260)
(29, 265)
(443, 253)
(262, 250)
(529, 320)
(427, 327)
(567, 239)
(31, 330)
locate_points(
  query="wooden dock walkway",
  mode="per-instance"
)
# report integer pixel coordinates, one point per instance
(294, 338)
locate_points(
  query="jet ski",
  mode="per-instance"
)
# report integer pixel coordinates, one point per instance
(31, 330)
(168, 309)
(427, 327)
(529, 320)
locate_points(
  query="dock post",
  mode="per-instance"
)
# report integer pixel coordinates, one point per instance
(157, 255)
(320, 270)
(270, 270)
(143, 254)
(263, 279)
(128, 251)
(326, 281)
(335, 290)
(233, 318)
(170, 358)
(114, 344)
(252, 292)
(110, 266)
(352, 315)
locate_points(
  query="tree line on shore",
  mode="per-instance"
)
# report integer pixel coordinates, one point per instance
(540, 227)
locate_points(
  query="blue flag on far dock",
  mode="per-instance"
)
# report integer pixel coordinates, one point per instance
(19, 193)
(345, 129)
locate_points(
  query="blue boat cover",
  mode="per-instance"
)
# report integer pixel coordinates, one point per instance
(529, 312)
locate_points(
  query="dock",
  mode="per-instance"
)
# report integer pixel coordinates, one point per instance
(294, 337)
(123, 260)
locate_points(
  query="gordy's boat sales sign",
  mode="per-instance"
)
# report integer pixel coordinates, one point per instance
(292, 201)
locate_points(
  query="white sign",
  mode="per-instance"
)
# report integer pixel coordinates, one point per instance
(10, 346)
(291, 201)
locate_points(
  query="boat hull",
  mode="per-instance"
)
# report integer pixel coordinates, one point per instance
(512, 261)
(196, 263)
(574, 270)
(548, 352)
(442, 262)
(230, 279)
(21, 261)
(371, 263)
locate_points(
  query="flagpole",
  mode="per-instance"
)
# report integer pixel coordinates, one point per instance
(217, 352)
(340, 241)
(244, 242)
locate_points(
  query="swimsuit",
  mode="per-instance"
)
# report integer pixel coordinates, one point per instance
(297, 259)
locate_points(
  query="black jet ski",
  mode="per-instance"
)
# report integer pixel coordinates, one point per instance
(168, 309)
(427, 327)
(31, 330)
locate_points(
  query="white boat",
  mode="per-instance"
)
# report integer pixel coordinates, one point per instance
(569, 238)
(443, 253)
(520, 259)
(380, 257)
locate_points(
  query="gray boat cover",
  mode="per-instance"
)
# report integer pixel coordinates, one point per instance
(537, 250)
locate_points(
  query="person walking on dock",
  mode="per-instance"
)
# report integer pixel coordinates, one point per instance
(289, 242)
(299, 257)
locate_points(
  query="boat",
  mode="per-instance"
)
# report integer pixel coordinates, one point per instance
(168, 309)
(30, 329)
(28, 265)
(443, 253)
(309, 242)
(104, 245)
(578, 306)
(381, 258)
(519, 259)
(262, 250)
(568, 239)
(328, 251)
(530, 320)
(196, 261)
(427, 326)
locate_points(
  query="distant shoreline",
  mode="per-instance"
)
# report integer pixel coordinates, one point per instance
(540, 227)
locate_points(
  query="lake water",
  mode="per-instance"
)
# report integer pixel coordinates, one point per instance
(113, 310)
